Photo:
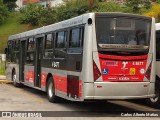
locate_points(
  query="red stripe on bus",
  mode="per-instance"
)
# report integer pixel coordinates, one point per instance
(60, 83)
(43, 79)
(102, 56)
(30, 76)
(71, 86)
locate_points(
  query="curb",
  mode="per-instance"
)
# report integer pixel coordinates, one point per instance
(5, 82)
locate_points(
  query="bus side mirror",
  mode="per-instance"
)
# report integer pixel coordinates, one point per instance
(5, 51)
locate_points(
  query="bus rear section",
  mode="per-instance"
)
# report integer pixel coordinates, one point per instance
(123, 58)
(155, 101)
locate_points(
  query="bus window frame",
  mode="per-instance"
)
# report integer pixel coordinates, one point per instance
(30, 62)
(44, 45)
(62, 50)
(81, 39)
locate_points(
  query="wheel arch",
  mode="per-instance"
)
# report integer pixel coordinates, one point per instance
(47, 79)
(13, 69)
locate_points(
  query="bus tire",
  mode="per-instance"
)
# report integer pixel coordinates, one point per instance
(51, 91)
(14, 77)
(155, 102)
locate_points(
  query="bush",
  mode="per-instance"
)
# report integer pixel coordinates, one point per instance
(31, 14)
(47, 16)
(3, 12)
(154, 12)
(109, 7)
(36, 15)
(71, 9)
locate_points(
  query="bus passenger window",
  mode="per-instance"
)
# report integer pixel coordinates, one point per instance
(31, 43)
(48, 46)
(17, 44)
(76, 40)
(48, 42)
(30, 51)
(8, 56)
(75, 37)
(61, 39)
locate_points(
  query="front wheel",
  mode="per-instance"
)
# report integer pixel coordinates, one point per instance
(14, 77)
(51, 91)
(155, 102)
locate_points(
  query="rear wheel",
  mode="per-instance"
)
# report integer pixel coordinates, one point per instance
(155, 102)
(51, 91)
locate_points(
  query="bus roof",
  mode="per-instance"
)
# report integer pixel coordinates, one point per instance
(79, 20)
(157, 26)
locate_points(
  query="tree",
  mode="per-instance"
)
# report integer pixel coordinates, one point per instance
(154, 12)
(31, 14)
(92, 3)
(71, 9)
(137, 5)
(11, 4)
(44, 19)
(134, 5)
(3, 12)
(37, 15)
(158, 1)
(109, 7)
(147, 4)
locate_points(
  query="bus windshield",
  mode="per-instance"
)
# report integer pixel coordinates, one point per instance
(123, 33)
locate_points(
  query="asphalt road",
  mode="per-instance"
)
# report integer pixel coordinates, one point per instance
(29, 99)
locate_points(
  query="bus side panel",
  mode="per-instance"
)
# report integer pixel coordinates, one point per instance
(152, 51)
(29, 75)
(87, 66)
(66, 86)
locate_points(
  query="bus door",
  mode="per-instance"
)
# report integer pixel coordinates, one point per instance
(38, 57)
(22, 60)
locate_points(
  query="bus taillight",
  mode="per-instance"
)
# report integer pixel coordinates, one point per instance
(148, 72)
(96, 71)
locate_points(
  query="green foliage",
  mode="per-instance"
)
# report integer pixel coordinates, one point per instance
(75, 8)
(3, 12)
(31, 14)
(109, 7)
(136, 6)
(147, 4)
(10, 27)
(158, 1)
(7, 1)
(48, 16)
(2, 68)
(11, 4)
(154, 12)
(36, 15)
(71, 9)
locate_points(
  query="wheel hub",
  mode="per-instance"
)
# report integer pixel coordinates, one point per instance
(50, 89)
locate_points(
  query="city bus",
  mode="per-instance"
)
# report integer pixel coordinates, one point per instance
(94, 56)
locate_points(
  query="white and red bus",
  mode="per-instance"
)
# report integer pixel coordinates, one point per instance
(95, 56)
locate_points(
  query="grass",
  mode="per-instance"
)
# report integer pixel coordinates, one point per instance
(2, 68)
(10, 27)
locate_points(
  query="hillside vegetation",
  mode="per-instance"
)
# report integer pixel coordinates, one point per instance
(11, 26)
